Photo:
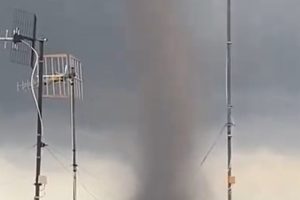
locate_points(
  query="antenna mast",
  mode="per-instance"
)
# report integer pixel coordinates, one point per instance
(40, 143)
(63, 79)
(72, 98)
(230, 178)
(25, 30)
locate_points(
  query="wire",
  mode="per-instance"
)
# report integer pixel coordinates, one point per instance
(31, 84)
(55, 150)
(57, 159)
(213, 145)
(54, 153)
(83, 186)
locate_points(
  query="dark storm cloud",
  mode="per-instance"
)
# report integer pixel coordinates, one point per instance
(265, 78)
(91, 31)
(265, 61)
(266, 73)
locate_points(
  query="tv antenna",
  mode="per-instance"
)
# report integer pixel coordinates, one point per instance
(62, 79)
(230, 178)
(24, 31)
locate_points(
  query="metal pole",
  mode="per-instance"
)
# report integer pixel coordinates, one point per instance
(72, 97)
(40, 144)
(228, 96)
(33, 42)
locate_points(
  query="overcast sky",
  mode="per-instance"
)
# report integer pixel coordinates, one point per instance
(112, 44)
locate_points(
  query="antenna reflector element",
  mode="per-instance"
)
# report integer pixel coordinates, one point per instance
(58, 74)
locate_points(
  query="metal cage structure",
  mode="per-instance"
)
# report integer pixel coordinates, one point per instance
(57, 70)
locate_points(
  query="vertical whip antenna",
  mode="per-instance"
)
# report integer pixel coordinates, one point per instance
(230, 178)
(72, 98)
(75, 77)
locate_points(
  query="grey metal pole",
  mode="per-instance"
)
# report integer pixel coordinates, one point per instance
(229, 105)
(40, 144)
(72, 98)
(33, 41)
